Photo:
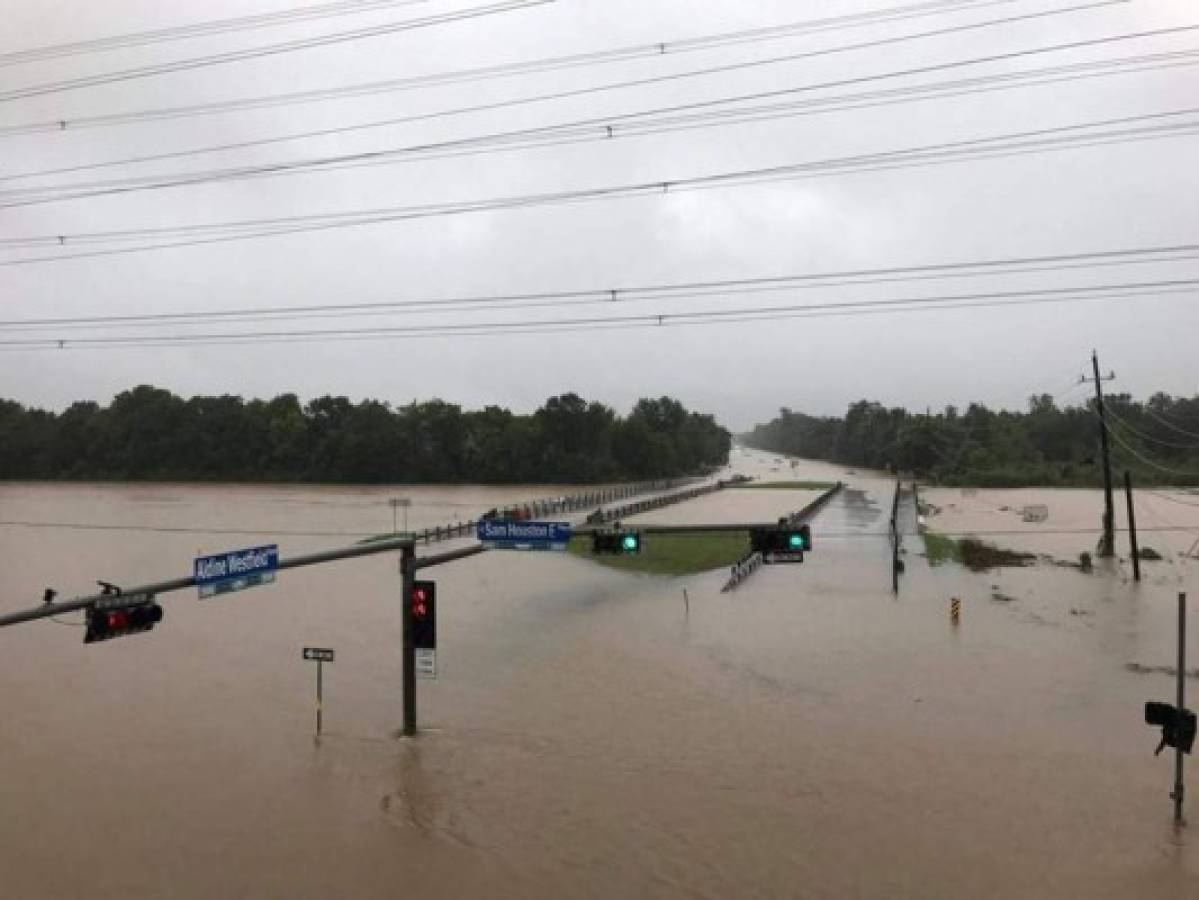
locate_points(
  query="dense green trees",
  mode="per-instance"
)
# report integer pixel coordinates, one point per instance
(1158, 440)
(151, 434)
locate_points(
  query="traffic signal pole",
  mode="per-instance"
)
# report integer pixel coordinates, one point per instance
(408, 577)
(1181, 705)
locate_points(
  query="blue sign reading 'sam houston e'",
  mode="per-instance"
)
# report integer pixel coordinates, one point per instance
(516, 535)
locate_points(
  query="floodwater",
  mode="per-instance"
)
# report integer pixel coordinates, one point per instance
(590, 734)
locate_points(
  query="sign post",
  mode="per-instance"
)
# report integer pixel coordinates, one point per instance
(399, 503)
(321, 655)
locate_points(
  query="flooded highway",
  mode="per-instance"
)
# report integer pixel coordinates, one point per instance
(591, 735)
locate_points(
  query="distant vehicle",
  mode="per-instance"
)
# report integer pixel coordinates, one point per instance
(1035, 512)
(597, 516)
(737, 478)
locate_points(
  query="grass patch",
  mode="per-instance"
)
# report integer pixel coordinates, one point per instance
(672, 554)
(940, 549)
(786, 485)
(971, 552)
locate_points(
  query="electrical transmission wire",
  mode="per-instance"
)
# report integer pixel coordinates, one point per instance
(199, 29)
(232, 56)
(999, 146)
(547, 64)
(1149, 410)
(1147, 437)
(687, 290)
(1162, 59)
(594, 323)
(1149, 462)
(721, 290)
(707, 114)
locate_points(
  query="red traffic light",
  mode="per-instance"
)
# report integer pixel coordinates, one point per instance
(424, 615)
(420, 602)
(120, 617)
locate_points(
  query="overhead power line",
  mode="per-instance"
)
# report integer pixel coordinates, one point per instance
(598, 323)
(1006, 145)
(547, 64)
(1154, 415)
(232, 56)
(636, 124)
(706, 113)
(722, 288)
(1148, 437)
(656, 80)
(200, 29)
(1170, 470)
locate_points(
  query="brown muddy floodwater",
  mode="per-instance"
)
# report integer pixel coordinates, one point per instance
(810, 735)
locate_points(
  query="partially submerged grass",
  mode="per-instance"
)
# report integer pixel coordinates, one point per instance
(672, 554)
(971, 552)
(786, 485)
(940, 549)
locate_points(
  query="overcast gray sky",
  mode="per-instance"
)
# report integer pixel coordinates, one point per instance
(1079, 200)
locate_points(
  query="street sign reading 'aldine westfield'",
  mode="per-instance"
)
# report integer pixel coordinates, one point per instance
(236, 570)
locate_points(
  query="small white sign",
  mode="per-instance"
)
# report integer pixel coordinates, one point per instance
(426, 664)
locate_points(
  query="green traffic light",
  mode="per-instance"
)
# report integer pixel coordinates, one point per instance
(795, 541)
(629, 543)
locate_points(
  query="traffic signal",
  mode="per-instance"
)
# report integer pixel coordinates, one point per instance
(424, 615)
(616, 542)
(1177, 725)
(119, 616)
(783, 539)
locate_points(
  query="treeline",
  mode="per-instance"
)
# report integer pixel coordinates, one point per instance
(1158, 440)
(151, 434)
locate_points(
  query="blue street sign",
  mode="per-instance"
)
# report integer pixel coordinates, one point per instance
(509, 534)
(236, 570)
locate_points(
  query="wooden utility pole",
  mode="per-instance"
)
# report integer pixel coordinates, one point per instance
(1132, 528)
(1107, 544)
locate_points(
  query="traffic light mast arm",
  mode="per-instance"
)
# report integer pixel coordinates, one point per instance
(178, 584)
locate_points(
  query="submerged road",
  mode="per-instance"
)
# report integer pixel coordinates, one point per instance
(591, 734)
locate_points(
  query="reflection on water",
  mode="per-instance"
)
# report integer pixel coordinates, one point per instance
(590, 734)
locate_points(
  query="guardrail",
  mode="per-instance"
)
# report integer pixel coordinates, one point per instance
(540, 508)
(613, 514)
(742, 570)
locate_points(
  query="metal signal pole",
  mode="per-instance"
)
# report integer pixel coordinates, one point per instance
(1178, 792)
(408, 576)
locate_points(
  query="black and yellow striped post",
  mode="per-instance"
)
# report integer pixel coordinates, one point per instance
(955, 611)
